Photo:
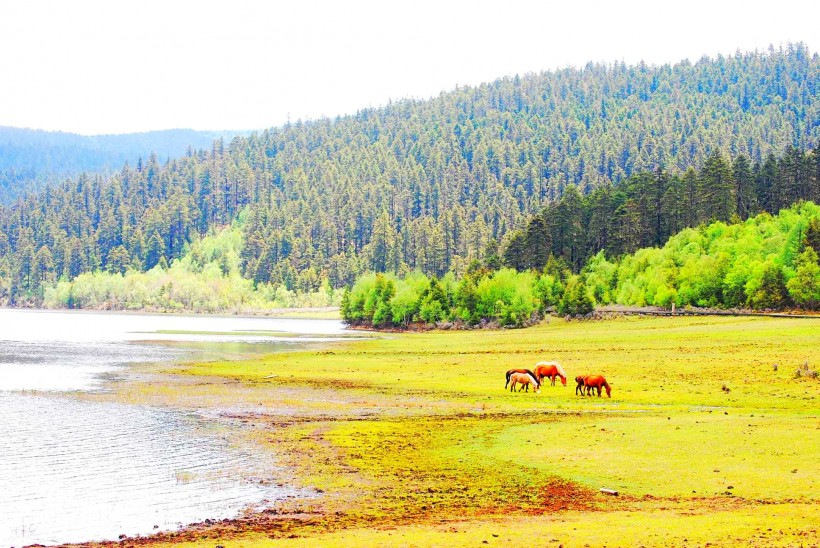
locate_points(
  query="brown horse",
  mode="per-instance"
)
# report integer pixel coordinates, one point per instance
(524, 371)
(579, 390)
(550, 370)
(525, 380)
(591, 383)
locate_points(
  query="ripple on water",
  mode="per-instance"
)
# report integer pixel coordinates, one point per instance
(75, 470)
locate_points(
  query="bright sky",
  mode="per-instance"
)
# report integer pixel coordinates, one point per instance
(119, 66)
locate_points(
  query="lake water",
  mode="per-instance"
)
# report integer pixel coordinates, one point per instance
(79, 468)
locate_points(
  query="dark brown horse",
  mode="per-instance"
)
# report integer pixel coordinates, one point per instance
(579, 389)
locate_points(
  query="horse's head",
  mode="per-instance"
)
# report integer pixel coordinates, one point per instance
(536, 384)
(564, 381)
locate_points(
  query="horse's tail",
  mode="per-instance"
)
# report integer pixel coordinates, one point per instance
(509, 374)
(608, 389)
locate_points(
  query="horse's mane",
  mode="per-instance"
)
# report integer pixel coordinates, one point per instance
(534, 378)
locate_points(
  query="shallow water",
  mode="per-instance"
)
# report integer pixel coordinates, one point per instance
(74, 469)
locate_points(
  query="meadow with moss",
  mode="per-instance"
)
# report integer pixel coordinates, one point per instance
(710, 436)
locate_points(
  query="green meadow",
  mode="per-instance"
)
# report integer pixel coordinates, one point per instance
(710, 436)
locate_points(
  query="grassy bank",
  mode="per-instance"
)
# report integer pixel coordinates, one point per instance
(411, 439)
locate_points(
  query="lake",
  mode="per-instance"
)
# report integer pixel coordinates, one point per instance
(74, 467)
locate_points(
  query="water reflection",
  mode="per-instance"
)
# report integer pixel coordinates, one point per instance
(70, 366)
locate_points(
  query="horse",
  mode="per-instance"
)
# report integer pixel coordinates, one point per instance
(511, 371)
(592, 382)
(580, 380)
(525, 379)
(551, 370)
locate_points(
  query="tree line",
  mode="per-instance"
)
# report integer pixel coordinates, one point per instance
(427, 185)
(765, 263)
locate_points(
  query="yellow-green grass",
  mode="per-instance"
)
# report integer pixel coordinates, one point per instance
(689, 454)
(410, 435)
(678, 361)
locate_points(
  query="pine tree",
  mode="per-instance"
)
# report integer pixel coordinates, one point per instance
(717, 189)
(744, 187)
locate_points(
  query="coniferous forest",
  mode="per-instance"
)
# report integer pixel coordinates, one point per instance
(526, 172)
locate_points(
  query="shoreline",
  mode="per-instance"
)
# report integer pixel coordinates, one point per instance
(96, 378)
(389, 454)
(310, 313)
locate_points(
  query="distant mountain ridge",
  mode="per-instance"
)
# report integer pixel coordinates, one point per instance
(31, 158)
(62, 152)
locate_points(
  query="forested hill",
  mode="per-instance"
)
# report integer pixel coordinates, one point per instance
(417, 184)
(33, 158)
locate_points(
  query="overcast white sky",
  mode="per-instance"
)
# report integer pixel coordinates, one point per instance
(118, 66)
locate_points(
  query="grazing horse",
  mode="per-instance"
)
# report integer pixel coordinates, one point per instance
(579, 390)
(525, 380)
(551, 370)
(525, 371)
(591, 383)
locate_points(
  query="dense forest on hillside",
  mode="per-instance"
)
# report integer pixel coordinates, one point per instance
(765, 262)
(32, 159)
(433, 185)
(648, 208)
